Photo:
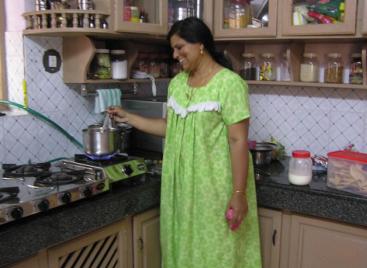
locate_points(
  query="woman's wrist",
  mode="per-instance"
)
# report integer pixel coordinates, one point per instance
(239, 191)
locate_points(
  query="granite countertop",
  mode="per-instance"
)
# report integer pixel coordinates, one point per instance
(26, 237)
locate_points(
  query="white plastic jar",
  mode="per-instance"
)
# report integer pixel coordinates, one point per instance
(119, 64)
(300, 168)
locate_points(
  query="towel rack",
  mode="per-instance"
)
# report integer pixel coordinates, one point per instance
(85, 92)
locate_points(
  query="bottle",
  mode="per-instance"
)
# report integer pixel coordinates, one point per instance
(248, 70)
(119, 64)
(267, 67)
(101, 64)
(309, 68)
(356, 69)
(300, 168)
(334, 68)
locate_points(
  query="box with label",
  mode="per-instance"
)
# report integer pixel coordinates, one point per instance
(347, 171)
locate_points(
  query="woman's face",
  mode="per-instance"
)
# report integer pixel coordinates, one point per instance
(186, 53)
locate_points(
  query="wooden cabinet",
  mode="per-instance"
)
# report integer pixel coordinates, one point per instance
(363, 17)
(270, 233)
(147, 253)
(37, 261)
(224, 30)
(107, 247)
(347, 27)
(316, 243)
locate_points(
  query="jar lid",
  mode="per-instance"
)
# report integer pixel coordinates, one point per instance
(301, 154)
(334, 55)
(309, 55)
(356, 55)
(267, 55)
(349, 155)
(118, 52)
(248, 55)
(102, 50)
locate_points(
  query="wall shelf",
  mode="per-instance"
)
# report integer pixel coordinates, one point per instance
(302, 84)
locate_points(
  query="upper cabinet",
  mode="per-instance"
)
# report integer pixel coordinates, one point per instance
(363, 17)
(157, 16)
(315, 17)
(237, 19)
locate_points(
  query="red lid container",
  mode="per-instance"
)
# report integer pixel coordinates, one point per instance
(349, 155)
(301, 154)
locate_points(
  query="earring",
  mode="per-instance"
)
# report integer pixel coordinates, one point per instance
(201, 51)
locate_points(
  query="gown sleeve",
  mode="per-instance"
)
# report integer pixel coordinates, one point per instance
(234, 100)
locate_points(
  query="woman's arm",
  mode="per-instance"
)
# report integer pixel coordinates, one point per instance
(155, 126)
(237, 137)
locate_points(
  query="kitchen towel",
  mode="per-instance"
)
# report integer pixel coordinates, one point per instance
(106, 98)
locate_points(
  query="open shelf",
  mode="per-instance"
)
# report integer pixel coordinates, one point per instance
(302, 84)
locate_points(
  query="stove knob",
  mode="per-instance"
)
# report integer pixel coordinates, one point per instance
(17, 213)
(100, 186)
(127, 170)
(44, 205)
(66, 197)
(88, 192)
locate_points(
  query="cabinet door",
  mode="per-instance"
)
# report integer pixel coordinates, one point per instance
(293, 20)
(270, 232)
(147, 252)
(316, 243)
(364, 17)
(141, 16)
(106, 247)
(236, 19)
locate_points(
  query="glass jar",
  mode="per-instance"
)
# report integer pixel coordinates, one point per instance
(356, 69)
(237, 14)
(309, 68)
(284, 69)
(267, 67)
(119, 64)
(101, 65)
(334, 68)
(154, 66)
(248, 70)
(300, 168)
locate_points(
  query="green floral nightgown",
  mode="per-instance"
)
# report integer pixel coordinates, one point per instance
(197, 177)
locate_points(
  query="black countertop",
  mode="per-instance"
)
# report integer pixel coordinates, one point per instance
(24, 238)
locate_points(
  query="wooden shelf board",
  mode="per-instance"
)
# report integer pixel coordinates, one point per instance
(302, 84)
(60, 32)
(125, 81)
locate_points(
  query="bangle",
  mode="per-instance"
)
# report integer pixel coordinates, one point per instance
(239, 191)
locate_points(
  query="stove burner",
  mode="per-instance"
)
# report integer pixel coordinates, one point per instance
(27, 170)
(60, 178)
(100, 157)
(8, 193)
(112, 159)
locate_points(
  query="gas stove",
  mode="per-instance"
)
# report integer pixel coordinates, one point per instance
(35, 188)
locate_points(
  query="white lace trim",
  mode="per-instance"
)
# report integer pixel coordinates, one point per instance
(199, 107)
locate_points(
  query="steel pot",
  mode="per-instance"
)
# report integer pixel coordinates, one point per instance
(99, 141)
(262, 153)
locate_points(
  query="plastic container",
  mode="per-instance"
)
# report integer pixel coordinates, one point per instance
(248, 70)
(238, 14)
(284, 69)
(300, 168)
(267, 67)
(347, 171)
(119, 64)
(334, 68)
(309, 68)
(356, 69)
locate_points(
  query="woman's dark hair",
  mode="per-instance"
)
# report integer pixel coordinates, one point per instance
(194, 30)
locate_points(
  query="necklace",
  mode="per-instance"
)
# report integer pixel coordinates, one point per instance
(202, 81)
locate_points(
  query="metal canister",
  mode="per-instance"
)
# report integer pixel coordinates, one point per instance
(85, 4)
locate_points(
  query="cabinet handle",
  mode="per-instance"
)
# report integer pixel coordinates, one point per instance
(141, 243)
(274, 236)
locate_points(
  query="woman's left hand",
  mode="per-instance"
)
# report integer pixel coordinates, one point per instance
(239, 206)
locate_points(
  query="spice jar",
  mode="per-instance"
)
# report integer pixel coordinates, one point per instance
(101, 64)
(309, 68)
(356, 69)
(119, 64)
(267, 67)
(238, 14)
(300, 168)
(248, 70)
(284, 69)
(334, 68)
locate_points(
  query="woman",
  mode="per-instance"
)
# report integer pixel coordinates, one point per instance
(205, 166)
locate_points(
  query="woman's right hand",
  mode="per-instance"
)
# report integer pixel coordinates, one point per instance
(117, 113)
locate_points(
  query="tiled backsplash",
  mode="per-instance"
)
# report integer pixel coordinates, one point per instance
(317, 119)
